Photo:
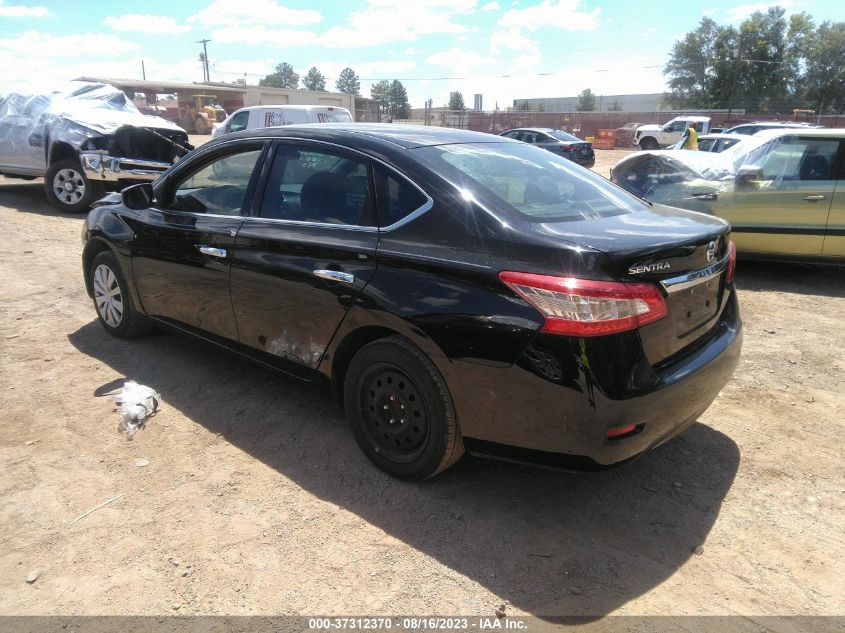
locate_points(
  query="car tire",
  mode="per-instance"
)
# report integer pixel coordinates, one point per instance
(201, 125)
(401, 411)
(67, 187)
(648, 143)
(113, 301)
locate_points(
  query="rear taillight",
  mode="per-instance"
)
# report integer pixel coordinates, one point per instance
(729, 276)
(566, 148)
(583, 307)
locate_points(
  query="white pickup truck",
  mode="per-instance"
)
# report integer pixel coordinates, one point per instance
(657, 136)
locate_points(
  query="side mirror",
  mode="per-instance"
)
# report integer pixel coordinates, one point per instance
(137, 197)
(748, 174)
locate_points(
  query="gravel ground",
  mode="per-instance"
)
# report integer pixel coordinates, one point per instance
(246, 494)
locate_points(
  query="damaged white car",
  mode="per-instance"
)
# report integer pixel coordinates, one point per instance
(84, 140)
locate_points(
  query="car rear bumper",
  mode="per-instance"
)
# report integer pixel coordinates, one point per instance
(99, 166)
(556, 405)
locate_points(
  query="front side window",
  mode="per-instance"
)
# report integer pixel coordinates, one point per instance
(321, 186)
(678, 126)
(538, 185)
(793, 158)
(239, 122)
(219, 187)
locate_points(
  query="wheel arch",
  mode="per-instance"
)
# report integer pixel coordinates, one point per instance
(60, 150)
(94, 247)
(346, 349)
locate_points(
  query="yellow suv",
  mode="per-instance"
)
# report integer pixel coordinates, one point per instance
(783, 191)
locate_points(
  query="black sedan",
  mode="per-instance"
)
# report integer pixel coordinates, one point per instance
(555, 141)
(454, 290)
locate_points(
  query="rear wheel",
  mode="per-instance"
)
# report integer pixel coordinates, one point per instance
(401, 411)
(68, 189)
(112, 299)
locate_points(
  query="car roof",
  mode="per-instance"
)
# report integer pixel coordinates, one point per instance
(407, 136)
(775, 124)
(285, 106)
(817, 131)
(684, 117)
(532, 129)
(721, 135)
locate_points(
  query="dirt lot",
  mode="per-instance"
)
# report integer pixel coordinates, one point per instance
(255, 499)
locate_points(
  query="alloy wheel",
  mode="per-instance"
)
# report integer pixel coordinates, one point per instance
(69, 186)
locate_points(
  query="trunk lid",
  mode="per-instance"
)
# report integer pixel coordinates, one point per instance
(682, 252)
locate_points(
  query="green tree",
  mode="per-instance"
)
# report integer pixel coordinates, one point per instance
(400, 108)
(824, 80)
(768, 63)
(380, 93)
(456, 101)
(314, 80)
(283, 77)
(615, 107)
(586, 101)
(348, 82)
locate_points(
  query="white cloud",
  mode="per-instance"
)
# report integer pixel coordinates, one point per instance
(739, 13)
(459, 61)
(559, 14)
(513, 39)
(386, 21)
(144, 23)
(227, 13)
(259, 34)
(21, 11)
(35, 44)
(490, 6)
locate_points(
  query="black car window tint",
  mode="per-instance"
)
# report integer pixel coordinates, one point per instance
(397, 198)
(318, 186)
(539, 185)
(219, 187)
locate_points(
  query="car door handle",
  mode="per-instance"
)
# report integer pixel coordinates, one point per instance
(210, 250)
(335, 275)
(814, 197)
(706, 196)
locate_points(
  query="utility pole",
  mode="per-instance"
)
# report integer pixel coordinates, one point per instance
(737, 60)
(143, 71)
(204, 59)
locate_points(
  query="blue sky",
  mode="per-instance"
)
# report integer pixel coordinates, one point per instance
(503, 49)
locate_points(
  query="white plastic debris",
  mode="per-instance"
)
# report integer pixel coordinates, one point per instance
(137, 404)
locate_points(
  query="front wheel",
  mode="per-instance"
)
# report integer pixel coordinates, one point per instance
(68, 189)
(648, 143)
(112, 298)
(401, 411)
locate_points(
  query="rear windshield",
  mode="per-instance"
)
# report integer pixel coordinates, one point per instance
(535, 183)
(564, 136)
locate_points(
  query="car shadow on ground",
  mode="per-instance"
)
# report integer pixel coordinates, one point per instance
(551, 543)
(27, 196)
(806, 279)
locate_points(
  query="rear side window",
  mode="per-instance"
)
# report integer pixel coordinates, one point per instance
(315, 185)
(397, 197)
(539, 185)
